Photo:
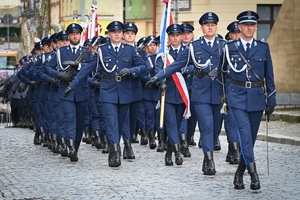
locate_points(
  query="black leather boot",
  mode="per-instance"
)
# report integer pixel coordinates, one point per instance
(64, 148)
(161, 144)
(178, 157)
(184, 145)
(98, 143)
(114, 159)
(93, 138)
(152, 143)
(229, 153)
(144, 138)
(45, 139)
(255, 184)
(128, 151)
(209, 168)
(36, 139)
(218, 145)
(192, 141)
(235, 153)
(72, 151)
(168, 156)
(31, 123)
(165, 141)
(199, 143)
(135, 136)
(238, 176)
(49, 141)
(105, 144)
(55, 144)
(87, 130)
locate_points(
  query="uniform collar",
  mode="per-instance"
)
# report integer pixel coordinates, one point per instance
(244, 43)
(212, 41)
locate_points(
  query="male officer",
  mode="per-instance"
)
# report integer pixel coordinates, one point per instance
(187, 34)
(188, 125)
(234, 31)
(62, 40)
(233, 155)
(250, 65)
(117, 62)
(73, 106)
(129, 34)
(204, 62)
(174, 105)
(150, 97)
(35, 102)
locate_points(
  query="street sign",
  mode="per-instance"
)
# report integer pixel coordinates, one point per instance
(7, 19)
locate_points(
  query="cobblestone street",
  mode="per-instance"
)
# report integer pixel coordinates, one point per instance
(28, 171)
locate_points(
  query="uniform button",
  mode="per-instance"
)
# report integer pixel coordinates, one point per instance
(248, 60)
(116, 60)
(210, 56)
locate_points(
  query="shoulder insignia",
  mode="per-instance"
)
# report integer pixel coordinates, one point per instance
(261, 42)
(49, 58)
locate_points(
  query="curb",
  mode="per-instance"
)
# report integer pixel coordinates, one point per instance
(286, 117)
(279, 140)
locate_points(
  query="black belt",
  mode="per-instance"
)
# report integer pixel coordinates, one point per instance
(115, 78)
(248, 84)
(201, 74)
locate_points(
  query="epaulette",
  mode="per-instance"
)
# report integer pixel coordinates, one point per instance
(261, 42)
(127, 45)
(230, 41)
(64, 47)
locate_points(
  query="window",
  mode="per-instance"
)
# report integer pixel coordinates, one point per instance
(267, 16)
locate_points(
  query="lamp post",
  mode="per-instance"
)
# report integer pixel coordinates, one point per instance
(7, 19)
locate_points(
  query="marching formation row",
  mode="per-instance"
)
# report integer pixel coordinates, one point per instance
(113, 87)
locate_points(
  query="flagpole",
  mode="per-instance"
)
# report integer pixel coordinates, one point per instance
(166, 52)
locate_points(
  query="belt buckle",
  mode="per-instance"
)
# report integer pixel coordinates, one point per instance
(248, 84)
(118, 78)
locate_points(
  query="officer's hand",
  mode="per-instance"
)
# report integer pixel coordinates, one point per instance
(54, 82)
(152, 81)
(223, 99)
(125, 72)
(268, 111)
(65, 76)
(21, 88)
(71, 63)
(96, 84)
(68, 90)
(163, 86)
(31, 83)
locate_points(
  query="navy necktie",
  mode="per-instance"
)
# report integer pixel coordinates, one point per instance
(175, 53)
(248, 48)
(74, 50)
(116, 49)
(209, 44)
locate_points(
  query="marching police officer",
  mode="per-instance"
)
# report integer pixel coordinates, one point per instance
(250, 65)
(73, 106)
(118, 63)
(174, 104)
(234, 31)
(204, 62)
(233, 155)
